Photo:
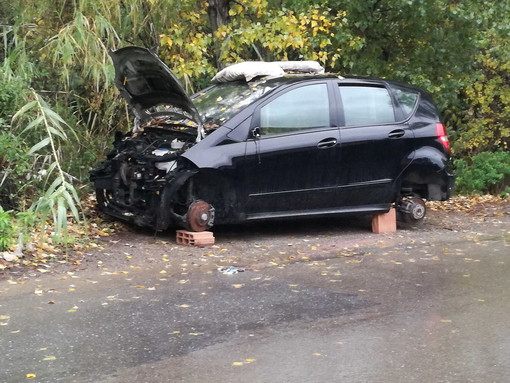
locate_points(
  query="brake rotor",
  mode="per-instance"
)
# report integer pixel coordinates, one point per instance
(200, 216)
(413, 210)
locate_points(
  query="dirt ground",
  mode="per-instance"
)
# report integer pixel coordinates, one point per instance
(272, 244)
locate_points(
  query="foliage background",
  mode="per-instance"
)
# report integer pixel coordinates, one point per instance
(56, 53)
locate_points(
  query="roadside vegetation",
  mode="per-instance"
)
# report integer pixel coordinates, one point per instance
(58, 104)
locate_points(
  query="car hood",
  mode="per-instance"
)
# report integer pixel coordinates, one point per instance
(151, 89)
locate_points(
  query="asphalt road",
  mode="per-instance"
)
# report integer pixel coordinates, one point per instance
(419, 306)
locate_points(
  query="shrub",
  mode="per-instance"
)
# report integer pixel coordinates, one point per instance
(15, 164)
(6, 230)
(487, 172)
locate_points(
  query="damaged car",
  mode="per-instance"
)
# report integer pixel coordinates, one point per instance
(262, 143)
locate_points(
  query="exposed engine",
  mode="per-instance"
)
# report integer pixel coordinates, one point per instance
(130, 183)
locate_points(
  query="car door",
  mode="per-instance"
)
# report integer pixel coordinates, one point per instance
(291, 157)
(374, 144)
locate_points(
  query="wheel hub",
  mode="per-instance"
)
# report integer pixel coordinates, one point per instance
(412, 210)
(200, 216)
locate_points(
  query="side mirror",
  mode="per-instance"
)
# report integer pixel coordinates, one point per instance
(256, 133)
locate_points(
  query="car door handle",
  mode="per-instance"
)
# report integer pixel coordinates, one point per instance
(327, 143)
(396, 133)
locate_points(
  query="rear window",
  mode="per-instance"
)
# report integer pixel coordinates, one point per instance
(365, 105)
(407, 99)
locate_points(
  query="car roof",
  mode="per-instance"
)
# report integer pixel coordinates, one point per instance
(296, 78)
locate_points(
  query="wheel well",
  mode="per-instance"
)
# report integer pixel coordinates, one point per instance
(217, 190)
(421, 185)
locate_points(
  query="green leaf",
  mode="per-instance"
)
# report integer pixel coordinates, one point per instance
(24, 109)
(39, 145)
(32, 124)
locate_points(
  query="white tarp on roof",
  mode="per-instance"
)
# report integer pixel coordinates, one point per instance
(301, 66)
(248, 70)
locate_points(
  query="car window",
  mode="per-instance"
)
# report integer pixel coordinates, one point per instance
(364, 105)
(407, 99)
(301, 108)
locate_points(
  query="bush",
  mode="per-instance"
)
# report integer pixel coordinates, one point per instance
(15, 164)
(487, 172)
(6, 230)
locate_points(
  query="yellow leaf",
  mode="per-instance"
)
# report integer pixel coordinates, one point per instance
(184, 305)
(237, 286)
(31, 376)
(4, 317)
(250, 360)
(50, 358)
(237, 364)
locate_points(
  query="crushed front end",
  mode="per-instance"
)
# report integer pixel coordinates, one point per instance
(139, 181)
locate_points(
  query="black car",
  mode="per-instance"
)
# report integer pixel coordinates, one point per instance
(274, 147)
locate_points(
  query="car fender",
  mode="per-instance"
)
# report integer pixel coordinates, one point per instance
(165, 216)
(427, 165)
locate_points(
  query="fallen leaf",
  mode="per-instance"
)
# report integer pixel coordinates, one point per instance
(237, 364)
(31, 376)
(184, 305)
(50, 358)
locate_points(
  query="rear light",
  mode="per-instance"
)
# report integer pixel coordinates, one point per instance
(442, 136)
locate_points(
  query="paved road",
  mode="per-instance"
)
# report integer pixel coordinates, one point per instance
(433, 309)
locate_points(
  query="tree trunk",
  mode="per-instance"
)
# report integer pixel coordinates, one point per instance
(217, 12)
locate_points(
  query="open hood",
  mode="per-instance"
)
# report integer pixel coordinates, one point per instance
(151, 89)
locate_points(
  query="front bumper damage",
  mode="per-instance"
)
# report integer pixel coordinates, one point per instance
(146, 182)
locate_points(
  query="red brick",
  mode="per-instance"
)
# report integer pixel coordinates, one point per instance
(385, 223)
(190, 238)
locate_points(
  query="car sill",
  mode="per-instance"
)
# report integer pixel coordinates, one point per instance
(364, 209)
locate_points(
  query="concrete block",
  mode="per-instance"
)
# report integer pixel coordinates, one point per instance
(191, 238)
(385, 223)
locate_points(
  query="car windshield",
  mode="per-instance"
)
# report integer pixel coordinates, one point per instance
(220, 102)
